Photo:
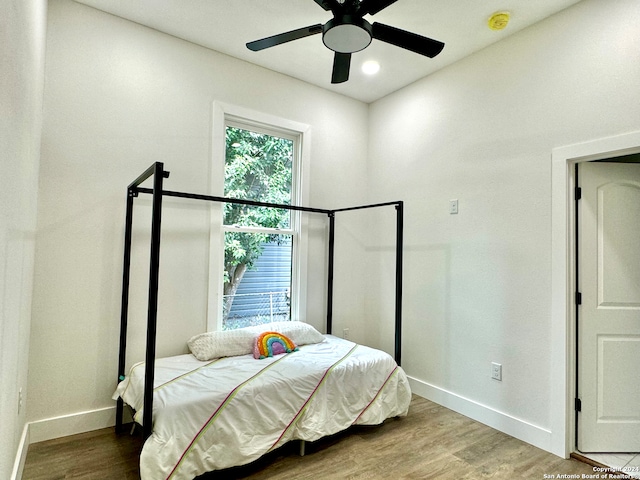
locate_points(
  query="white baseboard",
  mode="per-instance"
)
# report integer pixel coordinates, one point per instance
(63, 426)
(81, 422)
(21, 455)
(520, 429)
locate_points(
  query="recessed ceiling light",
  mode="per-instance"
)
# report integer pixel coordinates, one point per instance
(370, 67)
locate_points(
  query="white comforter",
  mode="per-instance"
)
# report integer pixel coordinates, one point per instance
(230, 411)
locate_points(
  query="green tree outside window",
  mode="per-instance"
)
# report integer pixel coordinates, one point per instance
(258, 167)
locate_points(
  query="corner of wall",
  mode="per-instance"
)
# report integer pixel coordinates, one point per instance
(21, 455)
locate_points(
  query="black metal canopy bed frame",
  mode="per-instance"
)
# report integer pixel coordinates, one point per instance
(157, 192)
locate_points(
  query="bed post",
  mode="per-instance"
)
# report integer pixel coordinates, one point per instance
(399, 247)
(152, 313)
(124, 311)
(332, 238)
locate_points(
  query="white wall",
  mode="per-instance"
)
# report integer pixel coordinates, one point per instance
(22, 45)
(478, 284)
(119, 97)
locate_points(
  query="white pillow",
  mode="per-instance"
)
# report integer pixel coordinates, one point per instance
(300, 333)
(229, 343)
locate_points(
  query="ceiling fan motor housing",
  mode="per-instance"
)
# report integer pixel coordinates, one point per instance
(347, 34)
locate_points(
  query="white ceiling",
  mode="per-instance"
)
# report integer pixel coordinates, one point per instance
(227, 25)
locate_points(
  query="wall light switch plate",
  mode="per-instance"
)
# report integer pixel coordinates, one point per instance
(496, 371)
(453, 207)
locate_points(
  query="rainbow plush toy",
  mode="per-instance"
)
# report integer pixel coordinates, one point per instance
(269, 344)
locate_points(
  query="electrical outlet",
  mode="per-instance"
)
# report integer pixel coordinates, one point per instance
(19, 400)
(345, 333)
(496, 371)
(453, 207)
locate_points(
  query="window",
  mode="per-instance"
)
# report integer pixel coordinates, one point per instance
(259, 277)
(258, 241)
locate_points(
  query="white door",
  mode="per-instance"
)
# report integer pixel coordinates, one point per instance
(609, 314)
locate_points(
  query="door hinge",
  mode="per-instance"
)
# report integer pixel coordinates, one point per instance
(578, 405)
(578, 193)
(578, 298)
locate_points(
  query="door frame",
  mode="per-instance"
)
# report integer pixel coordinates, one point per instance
(563, 280)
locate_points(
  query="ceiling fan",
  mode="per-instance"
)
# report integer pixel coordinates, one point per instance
(348, 32)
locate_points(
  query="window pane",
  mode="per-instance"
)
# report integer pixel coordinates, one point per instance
(257, 279)
(258, 167)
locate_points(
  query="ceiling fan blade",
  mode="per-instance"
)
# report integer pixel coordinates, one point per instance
(341, 64)
(407, 40)
(274, 40)
(374, 6)
(332, 5)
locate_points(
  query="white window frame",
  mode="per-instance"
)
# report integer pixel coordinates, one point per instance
(230, 115)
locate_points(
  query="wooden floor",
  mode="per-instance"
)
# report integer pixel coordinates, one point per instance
(431, 442)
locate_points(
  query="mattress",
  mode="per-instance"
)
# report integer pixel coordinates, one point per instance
(230, 411)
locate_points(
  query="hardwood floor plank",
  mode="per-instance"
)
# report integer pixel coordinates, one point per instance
(431, 442)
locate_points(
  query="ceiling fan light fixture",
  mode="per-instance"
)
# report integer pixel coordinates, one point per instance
(347, 34)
